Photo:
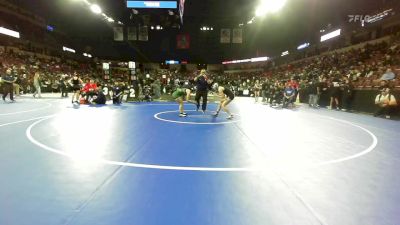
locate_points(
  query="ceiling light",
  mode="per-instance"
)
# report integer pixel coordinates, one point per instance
(95, 9)
(269, 6)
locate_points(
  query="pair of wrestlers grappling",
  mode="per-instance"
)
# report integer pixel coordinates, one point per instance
(203, 84)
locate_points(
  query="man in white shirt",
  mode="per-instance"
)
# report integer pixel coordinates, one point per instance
(386, 103)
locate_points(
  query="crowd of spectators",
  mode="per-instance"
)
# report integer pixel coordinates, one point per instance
(336, 74)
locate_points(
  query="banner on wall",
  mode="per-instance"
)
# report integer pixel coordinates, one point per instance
(237, 36)
(143, 33)
(132, 34)
(225, 36)
(181, 9)
(183, 41)
(118, 33)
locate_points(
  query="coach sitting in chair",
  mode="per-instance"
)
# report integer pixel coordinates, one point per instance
(99, 98)
(288, 95)
(90, 89)
(386, 103)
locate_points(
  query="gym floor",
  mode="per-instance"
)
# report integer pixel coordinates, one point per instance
(141, 164)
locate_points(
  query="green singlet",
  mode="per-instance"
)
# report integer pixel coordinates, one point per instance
(180, 92)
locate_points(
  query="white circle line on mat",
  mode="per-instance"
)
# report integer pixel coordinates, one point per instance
(157, 116)
(48, 105)
(206, 169)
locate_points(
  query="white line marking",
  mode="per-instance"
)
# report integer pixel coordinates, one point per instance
(366, 151)
(32, 110)
(137, 165)
(27, 120)
(301, 198)
(157, 116)
(185, 168)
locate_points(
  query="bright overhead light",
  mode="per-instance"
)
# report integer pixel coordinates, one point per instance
(250, 22)
(66, 49)
(305, 45)
(86, 2)
(9, 32)
(331, 35)
(95, 8)
(269, 6)
(111, 20)
(212, 28)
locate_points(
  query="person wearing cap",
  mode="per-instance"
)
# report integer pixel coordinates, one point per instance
(202, 90)
(8, 79)
(386, 103)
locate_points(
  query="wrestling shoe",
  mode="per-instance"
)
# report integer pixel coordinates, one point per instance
(182, 115)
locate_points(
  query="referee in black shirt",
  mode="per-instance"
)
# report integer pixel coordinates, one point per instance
(202, 90)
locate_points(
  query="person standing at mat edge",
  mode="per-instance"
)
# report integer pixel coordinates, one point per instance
(227, 97)
(36, 84)
(8, 79)
(76, 84)
(202, 86)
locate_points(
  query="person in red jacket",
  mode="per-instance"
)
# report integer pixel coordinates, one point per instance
(90, 89)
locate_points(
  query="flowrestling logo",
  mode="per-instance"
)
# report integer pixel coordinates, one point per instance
(371, 18)
(358, 18)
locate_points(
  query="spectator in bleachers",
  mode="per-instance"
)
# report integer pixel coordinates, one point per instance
(389, 75)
